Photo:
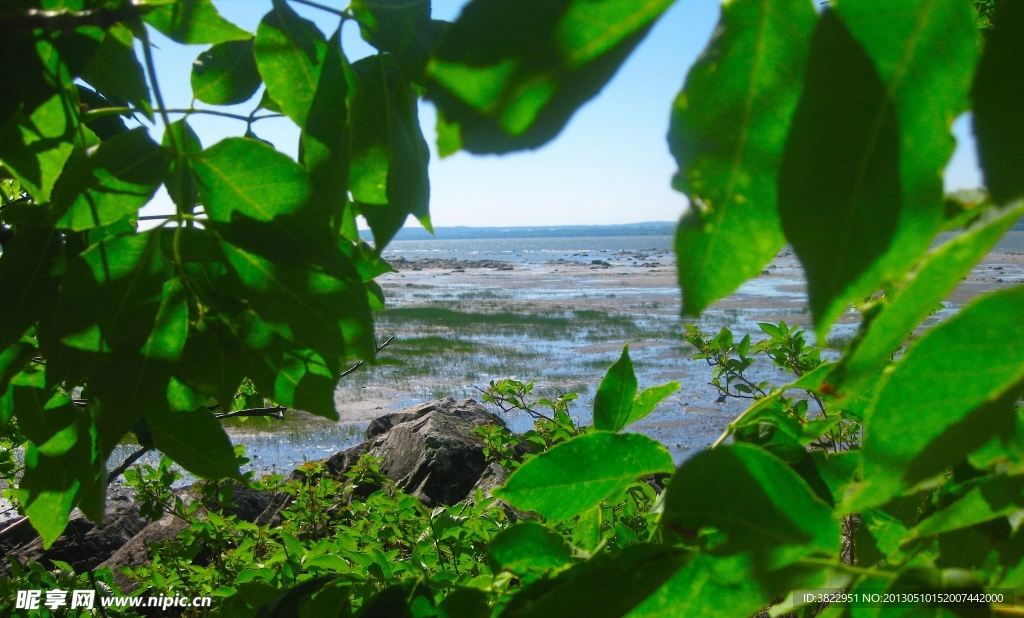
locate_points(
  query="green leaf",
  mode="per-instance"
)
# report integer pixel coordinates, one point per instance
(753, 498)
(325, 311)
(62, 466)
(649, 399)
(115, 70)
(208, 367)
(403, 29)
(290, 53)
(529, 546)
(29, 287)
(167, 341)
(465, 603)
(110, 182)
(937, 406)
(998, 121)
(607, 586)
(934, 279)
(195, 440)
(709, 587)
(226, 74)
(180, 180)
(728, 130)
(194, 22)
(860, 188)
(614, 399)
(511, 73)
(323, 145)
(575, 476)
(286, 604)
(249, 177)
(991, 498)
(388, 174)
(35, 146)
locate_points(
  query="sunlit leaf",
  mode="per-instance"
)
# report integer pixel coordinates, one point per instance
(936, 406)
(574, 476)
(115, 70)
(193, 22)
(196, 441)
(529, 546)
(614, 399)
(729, 126)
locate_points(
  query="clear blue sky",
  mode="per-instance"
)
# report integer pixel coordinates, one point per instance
(611, 164)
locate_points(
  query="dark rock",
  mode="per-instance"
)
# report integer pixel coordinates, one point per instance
(83, 545)
(249, 503)
(599, 263)
(340, 463)
(435, 456)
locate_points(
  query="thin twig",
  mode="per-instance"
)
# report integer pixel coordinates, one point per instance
(118, 471)
(326, 8)
(60, 20)
(355, 367)
(275, 412)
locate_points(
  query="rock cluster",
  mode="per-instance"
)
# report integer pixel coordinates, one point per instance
(429, 450)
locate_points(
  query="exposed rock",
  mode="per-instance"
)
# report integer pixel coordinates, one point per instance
(83, 544)
(136, 551)
(435, 456)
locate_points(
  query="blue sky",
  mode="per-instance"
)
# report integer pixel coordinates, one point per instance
(611, 164)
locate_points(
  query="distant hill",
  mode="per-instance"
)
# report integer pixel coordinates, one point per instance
(657, 228)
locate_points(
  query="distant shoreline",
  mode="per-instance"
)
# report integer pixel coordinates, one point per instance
(654, 228)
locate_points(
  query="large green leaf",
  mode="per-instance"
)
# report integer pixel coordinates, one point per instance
(109, 182)
(167, 341)
(62, 466)
(755, 500)
(324, 143)
(193, 22)
(529, 546)
(576, 475)
(403, 29)
(207, 366)
(649, 399)
(729, 126)
(711, 587)
(607, 586)
(248, 177)
(508, 74)
(860, 188)
(29, 287)
(195, 440)
(290, 53)
(997, 93)
(115, 70)
(950, 393)
(226, 73)
(388, 174)
(934, 279)
(614, 399)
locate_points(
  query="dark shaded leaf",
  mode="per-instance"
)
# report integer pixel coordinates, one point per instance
(195, 440)
(728, 130)
(510, 73)
(111, 182)
(115, 70)
(998, 113)
(226, 74)
(403, 29)
(180, 181)
(286, 605)
(27, 270)
(860, 188)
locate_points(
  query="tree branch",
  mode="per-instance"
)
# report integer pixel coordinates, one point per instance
(355, 367)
